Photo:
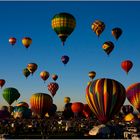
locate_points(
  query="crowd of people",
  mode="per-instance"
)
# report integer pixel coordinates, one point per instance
(57, 126)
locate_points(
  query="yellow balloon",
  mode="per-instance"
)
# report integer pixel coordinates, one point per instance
(66, 100)
(129, 117)
(26, 41)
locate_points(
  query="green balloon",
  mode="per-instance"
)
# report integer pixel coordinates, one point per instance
(10, 95)
(26, 72)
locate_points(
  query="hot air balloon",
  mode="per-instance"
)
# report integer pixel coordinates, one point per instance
(53, 87)
(22, 112)
(116, 32)
(22, 104)
(4, 114)
(12, 40)
(87, 111)
(32, 67)
(65, 59)
(77, 108)
(67, 113)
(129, 117)
(10, 95)
(92, 74)
(126, 109)
(2, 82)
(98, 27)
(44, 75)
(108, 47)
(41, 103)
(127, 65)
(105, 98)
(4, 108)
(26, 72)
(67, 100)
(133, 95)
(52, 110)
(54, 77)
(26, 41)
(63, 24)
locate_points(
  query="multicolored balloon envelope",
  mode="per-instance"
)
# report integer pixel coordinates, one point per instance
(22, 104)
(105, 98)
(63, 24)
(108, 47)
(53, 87)
(133, 95)
(98, 27)
(41, 103)
(32, 67)
(92, 74)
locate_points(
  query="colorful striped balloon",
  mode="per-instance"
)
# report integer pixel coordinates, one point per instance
(40, 103)
(133, 95)
(98, 27)
(105, 98)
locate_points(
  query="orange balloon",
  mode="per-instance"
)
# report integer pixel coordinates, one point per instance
(12, 40)
(54, 77)
(41, 103)
(44, 75)
(32, 67)
(26, 41)
(77, 107)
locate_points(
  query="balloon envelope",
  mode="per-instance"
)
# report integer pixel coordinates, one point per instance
(10, 94)
(127, 65)
(105, 98)
(63, 24)
(65, 59)
(32, 67)
(108, 47)
(44, 75)
(133, 95)
(77, 107)
(92, 74)
(26, 41)
(66, 100)
(26, 72)
(2, 82)
(98, 27)
(12, 40)
(41, 103)
(116, 32)
(53, 87)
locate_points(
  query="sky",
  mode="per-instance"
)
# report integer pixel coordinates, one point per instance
(33, 19)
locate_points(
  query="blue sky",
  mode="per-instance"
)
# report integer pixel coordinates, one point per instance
(33, 19)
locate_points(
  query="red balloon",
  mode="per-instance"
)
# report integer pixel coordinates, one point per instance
(12, 40)
(53, 87)
(87, 111)
(126, 65)
(2, 82)
(77, 107)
